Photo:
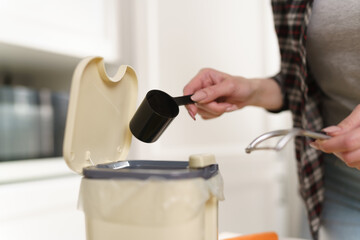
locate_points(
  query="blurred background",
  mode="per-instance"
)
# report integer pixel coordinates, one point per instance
(167, 42)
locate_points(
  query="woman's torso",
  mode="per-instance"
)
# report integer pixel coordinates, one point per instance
(333, 53)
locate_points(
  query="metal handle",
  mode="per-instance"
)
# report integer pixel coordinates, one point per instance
(287, 134)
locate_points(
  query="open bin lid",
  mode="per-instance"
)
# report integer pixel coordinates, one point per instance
(100, 108)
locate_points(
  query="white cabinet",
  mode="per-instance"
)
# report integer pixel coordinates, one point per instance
(38, 201)
(41, 43)
(76, 28)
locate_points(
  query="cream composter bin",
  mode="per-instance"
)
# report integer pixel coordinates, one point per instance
(132, 199)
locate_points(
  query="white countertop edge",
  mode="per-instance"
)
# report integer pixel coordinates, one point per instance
(33, 169)
(226, 235)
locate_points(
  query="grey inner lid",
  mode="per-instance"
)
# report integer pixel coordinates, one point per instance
(144, 169)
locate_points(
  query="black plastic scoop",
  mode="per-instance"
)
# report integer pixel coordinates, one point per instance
(155, 113)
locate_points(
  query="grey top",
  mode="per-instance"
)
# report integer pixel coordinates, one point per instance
(333, 52)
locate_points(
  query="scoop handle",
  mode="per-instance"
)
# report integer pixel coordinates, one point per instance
(184, 100)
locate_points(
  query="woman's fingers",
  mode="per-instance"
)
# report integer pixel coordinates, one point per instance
(215, 93)
(345, 146)
(346, 142)
(205, 78)
(214, 109)
(352, 158)
(223, 89)
(192, 110)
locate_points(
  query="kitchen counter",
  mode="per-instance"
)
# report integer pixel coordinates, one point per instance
(32, 170)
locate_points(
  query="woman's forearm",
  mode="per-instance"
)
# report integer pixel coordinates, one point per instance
(267, 94)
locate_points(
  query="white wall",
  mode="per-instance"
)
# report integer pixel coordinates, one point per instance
(170, 42)
(175, 39)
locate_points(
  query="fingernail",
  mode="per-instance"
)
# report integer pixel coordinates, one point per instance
(231, 108)
(331, 129)
(198, 96)
(192, 115)
(314, 145)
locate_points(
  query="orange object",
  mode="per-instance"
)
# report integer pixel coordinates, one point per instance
(257, 236)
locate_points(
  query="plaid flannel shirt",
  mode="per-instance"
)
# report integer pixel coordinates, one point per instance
(301, 97)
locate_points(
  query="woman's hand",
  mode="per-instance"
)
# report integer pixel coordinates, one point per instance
(345, 141)
(216, 93)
